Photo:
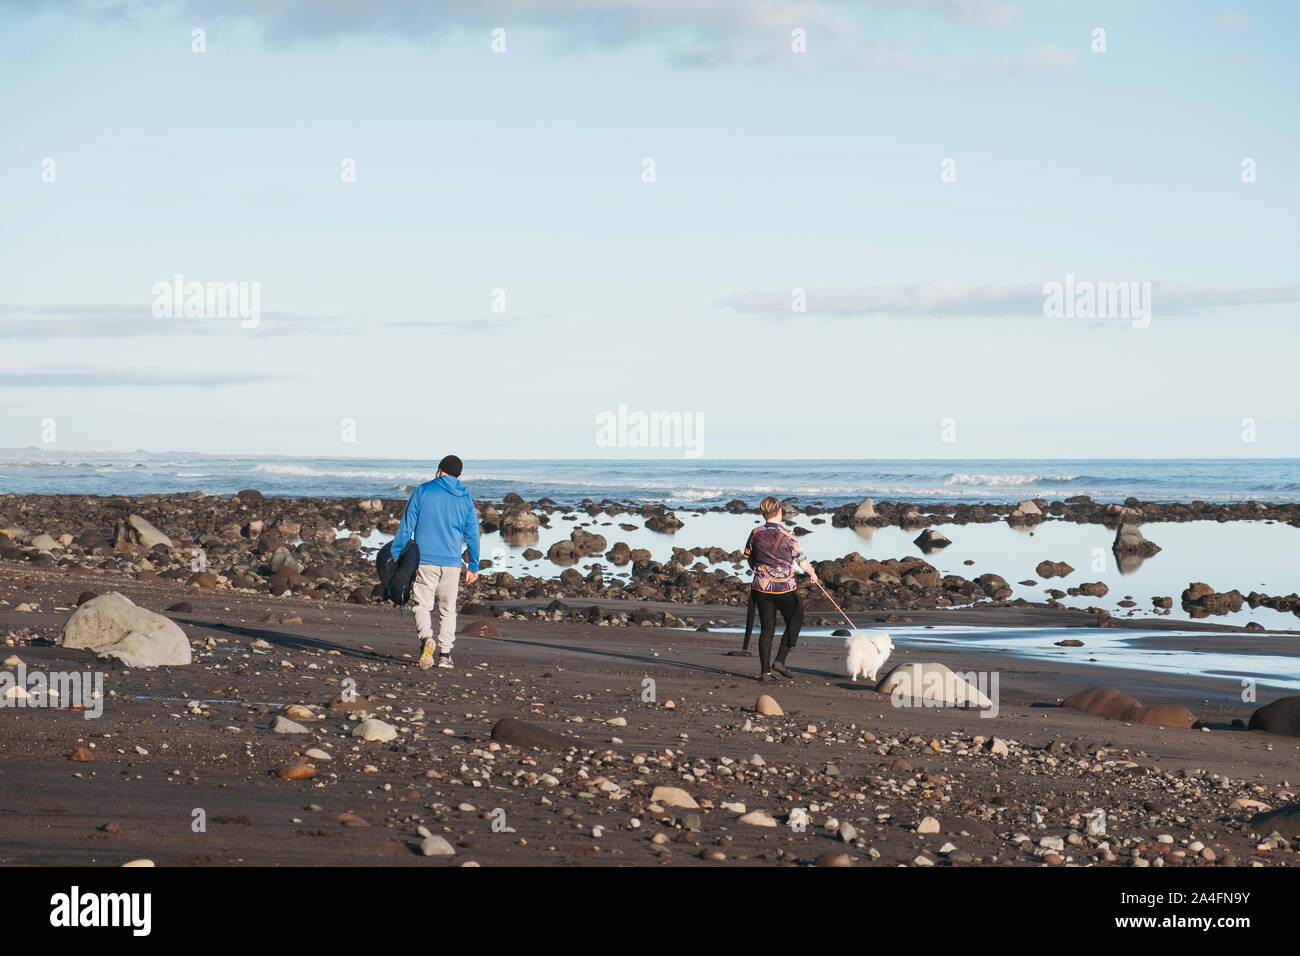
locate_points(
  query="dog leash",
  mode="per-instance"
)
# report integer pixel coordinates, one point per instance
(836, 606)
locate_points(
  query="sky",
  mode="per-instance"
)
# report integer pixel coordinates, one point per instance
(820, 229)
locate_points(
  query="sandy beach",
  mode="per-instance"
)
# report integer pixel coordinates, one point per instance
(843, 777)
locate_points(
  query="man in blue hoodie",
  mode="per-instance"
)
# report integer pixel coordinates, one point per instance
(441, 519)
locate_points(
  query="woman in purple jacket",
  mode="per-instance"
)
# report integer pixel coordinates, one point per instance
(773, 553)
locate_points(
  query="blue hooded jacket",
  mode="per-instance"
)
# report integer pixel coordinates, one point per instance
(440, 517)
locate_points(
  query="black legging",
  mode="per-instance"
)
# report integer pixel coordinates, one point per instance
(790, 604)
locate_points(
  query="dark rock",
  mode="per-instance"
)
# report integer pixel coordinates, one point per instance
(1053, 569)
(1129, 540)
(930, 540)
(1285, 820)
(517, 733)
(1111, 704)
(1282, 716)
(666, 523)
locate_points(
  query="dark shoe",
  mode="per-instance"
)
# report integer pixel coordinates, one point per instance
(781, 669)
(766, 678)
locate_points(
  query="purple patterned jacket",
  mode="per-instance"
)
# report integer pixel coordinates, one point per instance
(773, 553)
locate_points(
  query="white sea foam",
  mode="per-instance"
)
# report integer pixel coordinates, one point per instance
(1000, 481)
(306, 471)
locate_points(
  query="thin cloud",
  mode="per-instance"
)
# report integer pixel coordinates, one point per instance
(940, 299)
(20, 374)
(117, 321)
(690, 33)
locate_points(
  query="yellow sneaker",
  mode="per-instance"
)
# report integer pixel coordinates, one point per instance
(426, 655)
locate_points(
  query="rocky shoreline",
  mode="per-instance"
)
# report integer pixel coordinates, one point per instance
(313, 548)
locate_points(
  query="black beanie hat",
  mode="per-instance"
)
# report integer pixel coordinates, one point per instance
(451, 465)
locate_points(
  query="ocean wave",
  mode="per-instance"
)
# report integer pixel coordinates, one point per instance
(1000, 481)
(776, 486)
(306, 471)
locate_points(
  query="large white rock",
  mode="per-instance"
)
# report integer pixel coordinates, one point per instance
(44, 542)
(434, 845)
(374, 729)
(146, 533)
(111, 626)
(866, 511)
(931, 684)
(673, 797)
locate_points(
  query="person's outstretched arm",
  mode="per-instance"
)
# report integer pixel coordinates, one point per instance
(801, 559)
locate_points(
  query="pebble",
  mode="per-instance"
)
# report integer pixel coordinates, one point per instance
(768, 707)
(373, 729)
(436, 846)
(928, 825)
(283, 725)
(674, 797)
(757, 818)
(834, 858)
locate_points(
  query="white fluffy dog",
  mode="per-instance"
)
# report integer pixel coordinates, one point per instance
(868, 654)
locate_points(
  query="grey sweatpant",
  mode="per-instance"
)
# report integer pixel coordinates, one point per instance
(436, 585)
